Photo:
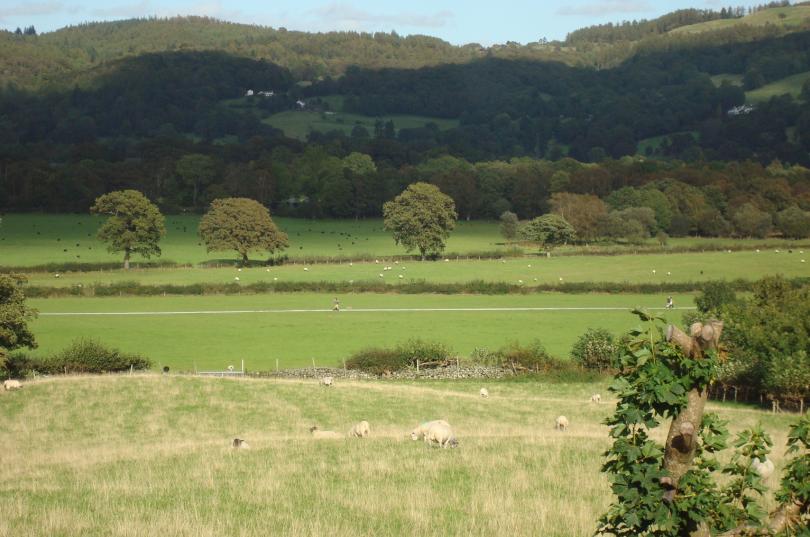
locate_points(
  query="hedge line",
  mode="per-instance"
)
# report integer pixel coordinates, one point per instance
(476, 287)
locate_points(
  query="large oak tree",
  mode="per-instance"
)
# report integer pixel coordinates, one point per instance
(240, 224)
(135, 224)
(422, 218)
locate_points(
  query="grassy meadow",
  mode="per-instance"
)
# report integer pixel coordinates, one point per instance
(297, 328)
(791, 85)
(149, 455)
(526, 271)
(783, 16)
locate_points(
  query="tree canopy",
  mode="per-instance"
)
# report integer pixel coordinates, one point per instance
(421, 218)
(135, 224)
(240, 224)
(14, 316)
(549, 230)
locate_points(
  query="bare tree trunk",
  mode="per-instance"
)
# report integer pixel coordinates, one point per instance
(126, 259)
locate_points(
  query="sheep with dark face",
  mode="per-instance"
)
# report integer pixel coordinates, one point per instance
(327, 381)
(239, 443)
(561, 423)
(596, 398)
(484, 393)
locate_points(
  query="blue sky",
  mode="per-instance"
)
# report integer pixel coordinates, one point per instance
(457, 21)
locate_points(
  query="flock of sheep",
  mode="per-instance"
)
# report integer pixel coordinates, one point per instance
(435, 433)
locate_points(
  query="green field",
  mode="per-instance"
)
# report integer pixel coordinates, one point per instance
(36, 239)
(783, 16)
(526, 271)
(299, 123)
(149, 455)
(734, 80)
(791, 85)
(262, 328)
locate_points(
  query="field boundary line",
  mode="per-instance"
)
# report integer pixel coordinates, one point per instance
(355, 310)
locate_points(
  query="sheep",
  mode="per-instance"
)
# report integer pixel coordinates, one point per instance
(440, 434)
(325, 435)
(360, 430)
(419, 432)
(239, 443)
(561, 423)
(12, 384)
(484, 392)
(596, 398)
(326, 381)
(764, 469)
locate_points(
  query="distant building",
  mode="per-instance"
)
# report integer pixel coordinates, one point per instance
(301, 104)
(741, 110)
(267, 93)
(249, 93)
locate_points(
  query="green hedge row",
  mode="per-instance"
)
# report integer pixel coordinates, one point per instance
(82, 356)
(133, 288)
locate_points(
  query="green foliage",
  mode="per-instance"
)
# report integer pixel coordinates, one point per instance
(135, 224)
(749, 221)
(795, 485)
(652, 383)
(509, 225)
(82, 356)
(240, 224)
(549, 230)
(793, 223)
(14, 316)
(595, 349)
(421, 218)
(714, 296)
(533, 357)
(767, 339)
(378, 360)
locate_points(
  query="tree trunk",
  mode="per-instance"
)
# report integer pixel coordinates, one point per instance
(679, 450)
(126, 259)
(244, 259)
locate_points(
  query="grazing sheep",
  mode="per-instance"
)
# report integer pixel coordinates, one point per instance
(764, 469)
(422, 428)
(326, 381)
(238, 443)
(440, 434)
(360, 430)
(561, 423)
(12, 384)
(596, 398)
(484, 392)
(326, 435)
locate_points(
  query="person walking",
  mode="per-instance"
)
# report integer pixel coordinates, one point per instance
(336, 304)
(670, 304)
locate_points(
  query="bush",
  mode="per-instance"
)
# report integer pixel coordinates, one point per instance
(82, 356)
(533, 356)
(377, 360)
(594, 349)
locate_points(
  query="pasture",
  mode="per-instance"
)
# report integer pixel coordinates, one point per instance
(523, 271)
(211, 332)
(149, 455)
(791, 85)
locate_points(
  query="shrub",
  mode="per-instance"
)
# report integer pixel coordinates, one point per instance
(533, 356)
(714, 296)
(82, 356)
(594, 349)
(376, 360)
(424, 351)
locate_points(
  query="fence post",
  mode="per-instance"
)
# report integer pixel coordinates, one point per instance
(417, 365)
(276, 365)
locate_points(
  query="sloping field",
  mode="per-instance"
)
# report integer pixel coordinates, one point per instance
(791, 85)
(783, 16)
(150, 455)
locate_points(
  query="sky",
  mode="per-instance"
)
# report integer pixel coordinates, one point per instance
(457, 21)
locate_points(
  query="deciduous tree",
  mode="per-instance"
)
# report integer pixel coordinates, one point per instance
(549, 230)
(14, 316)
(421, 218)
(240, 224)
(134, 226)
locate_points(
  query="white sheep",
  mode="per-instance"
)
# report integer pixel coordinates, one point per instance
(596, 398)
(440, 434)
(12, 384)
(327, 381)
(419, 432)
(484, 392)
(764, 469)
(236, 278)
(238, 443)
(561, 423)
(360, 430)
(328, 435)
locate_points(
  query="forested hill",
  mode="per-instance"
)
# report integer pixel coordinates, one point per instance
(80, 54)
